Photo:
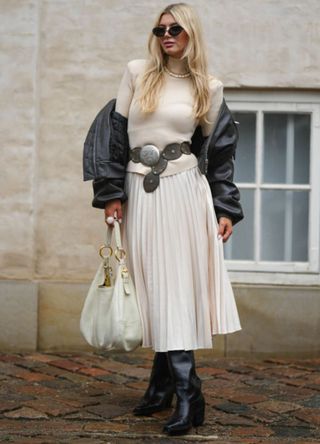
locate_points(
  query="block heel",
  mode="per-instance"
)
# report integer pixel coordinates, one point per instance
(168, 401)
(154, 405)
(198, 418)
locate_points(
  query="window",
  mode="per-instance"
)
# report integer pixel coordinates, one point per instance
(278, 174)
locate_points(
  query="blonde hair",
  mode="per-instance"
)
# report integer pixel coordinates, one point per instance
(153, 77)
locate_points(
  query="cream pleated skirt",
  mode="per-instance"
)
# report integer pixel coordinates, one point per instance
(176, 261)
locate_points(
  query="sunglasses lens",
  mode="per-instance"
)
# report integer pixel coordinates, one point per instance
(159, 31)
(175, 30)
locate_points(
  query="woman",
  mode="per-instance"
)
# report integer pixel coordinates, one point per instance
(177, 203)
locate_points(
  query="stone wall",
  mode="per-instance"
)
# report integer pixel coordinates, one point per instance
(61, 62)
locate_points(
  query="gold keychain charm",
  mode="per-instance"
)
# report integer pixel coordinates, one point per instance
(107, 276)
(108, 272)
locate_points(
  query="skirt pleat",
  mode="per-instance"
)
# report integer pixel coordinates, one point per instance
(176, 261)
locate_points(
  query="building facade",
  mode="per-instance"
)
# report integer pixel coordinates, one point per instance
(61, 62)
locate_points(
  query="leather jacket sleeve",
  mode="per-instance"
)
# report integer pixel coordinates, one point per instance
(220, 167)
(112, 186)
(105, 156)
(107, 189)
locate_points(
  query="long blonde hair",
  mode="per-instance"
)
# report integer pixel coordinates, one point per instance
(153, 77)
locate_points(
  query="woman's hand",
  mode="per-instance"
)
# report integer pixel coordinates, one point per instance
(113, 209)
(225, 228)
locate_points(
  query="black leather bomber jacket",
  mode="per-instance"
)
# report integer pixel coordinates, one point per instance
(106, 154)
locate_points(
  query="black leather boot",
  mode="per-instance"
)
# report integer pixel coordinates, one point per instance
(190, 401)
(160, 391)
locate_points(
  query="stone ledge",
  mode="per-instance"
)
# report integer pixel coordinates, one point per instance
(277, 321)
(18, 315)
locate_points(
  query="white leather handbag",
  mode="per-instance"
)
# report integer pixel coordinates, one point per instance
(110, 317)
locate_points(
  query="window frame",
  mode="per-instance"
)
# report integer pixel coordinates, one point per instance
(287, 101)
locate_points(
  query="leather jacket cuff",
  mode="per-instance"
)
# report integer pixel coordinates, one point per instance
(105, 190)
(219, 215)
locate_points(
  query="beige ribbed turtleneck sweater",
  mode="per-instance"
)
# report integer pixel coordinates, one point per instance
(173, 119)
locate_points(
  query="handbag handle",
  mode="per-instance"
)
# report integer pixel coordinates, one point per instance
(119, 253)
(117, 232)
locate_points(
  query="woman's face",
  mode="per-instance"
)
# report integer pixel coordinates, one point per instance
(173, 46)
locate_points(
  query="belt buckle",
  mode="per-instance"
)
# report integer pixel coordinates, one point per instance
(149, 155)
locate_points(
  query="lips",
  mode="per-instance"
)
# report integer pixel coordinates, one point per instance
(168, 44)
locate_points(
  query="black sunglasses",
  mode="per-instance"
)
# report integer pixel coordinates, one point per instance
(174, 30)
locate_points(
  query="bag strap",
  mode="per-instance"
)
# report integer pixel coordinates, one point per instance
(119, 253)
(117, 235)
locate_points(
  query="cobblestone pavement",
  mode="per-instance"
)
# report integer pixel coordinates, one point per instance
(88, 397)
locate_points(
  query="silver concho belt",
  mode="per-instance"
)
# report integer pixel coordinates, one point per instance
(150, 155)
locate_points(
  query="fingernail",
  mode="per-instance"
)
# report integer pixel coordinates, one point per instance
(219, 236)
(120, 221)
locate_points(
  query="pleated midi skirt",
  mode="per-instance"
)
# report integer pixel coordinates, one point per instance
(177, 263)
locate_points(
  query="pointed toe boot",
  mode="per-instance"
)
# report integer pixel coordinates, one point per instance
(160, 391)
(190, 408)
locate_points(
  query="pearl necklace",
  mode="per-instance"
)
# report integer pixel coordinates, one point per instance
(178, 76)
